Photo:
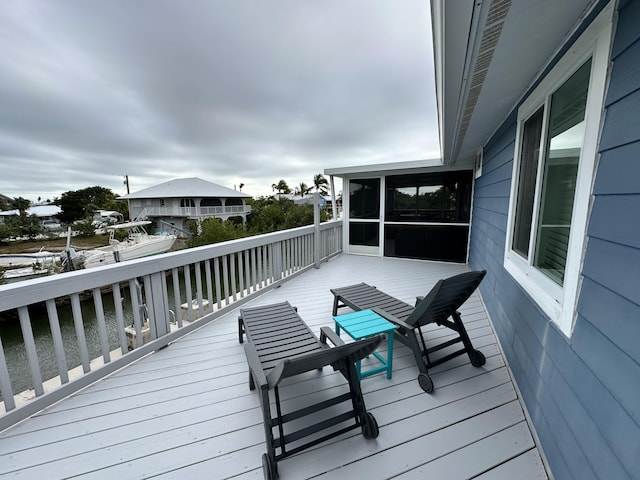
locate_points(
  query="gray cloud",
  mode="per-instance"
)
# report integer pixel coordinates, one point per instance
(227, 90)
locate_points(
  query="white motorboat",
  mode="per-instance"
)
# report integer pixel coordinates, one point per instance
(24, 266)
(137, 244)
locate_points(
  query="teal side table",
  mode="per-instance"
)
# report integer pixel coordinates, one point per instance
(367, 323)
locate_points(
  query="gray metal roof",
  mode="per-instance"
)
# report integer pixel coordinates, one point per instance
(186, 188)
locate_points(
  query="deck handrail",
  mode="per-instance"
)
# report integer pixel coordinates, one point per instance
(196, 211)
(212, 278)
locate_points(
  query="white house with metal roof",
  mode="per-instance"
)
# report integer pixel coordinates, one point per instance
(171, 203)
(43, 212)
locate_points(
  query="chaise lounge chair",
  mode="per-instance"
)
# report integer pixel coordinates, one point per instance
(441, 302)
(280, 345)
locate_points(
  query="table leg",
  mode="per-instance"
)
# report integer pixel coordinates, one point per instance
(389, 354)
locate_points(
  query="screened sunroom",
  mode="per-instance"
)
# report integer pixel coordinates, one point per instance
(418, 210)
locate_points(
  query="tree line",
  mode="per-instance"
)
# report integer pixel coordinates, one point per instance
(76, 207)
(268, 214)
(320, 184)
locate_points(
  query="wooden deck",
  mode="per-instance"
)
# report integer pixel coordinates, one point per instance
(186, 412)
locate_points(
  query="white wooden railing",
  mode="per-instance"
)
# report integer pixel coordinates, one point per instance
(196, 211)
(220, 276)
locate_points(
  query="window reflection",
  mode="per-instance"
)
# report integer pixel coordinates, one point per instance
(566, 134)
(441, 197)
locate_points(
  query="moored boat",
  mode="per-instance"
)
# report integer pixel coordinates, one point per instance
(137, 244)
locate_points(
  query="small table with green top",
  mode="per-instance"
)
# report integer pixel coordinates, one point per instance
(363, 324)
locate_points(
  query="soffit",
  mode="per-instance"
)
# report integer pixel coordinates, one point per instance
(487, 54)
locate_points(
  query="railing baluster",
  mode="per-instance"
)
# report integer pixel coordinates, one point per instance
(30, 348)
(151, 312)
(117, 303)
(260, 260)
(187, 286)
(270, 263)
(254, 274)
(240, 257)
(5, 382)
(136, 306)
(207, 272)
(287, 257)
(247, 271)
(58, 346)
(175, 276)
(197, 267)
(232, 266)
(102, 328)
(80, 337)
(216, 271)
(225, 278)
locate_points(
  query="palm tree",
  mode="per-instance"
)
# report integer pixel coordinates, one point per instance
(302, 189)
(321, 184)
(281, 187)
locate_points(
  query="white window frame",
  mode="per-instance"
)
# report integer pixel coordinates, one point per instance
(556, 301)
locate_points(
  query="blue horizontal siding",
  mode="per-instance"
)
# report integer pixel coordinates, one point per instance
(625, 75)
(615, 266)
(620, 127)
(582, 392)
(614, 161)
(612, 228)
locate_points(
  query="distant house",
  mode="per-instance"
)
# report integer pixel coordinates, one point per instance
(172, 203)
(43, 212)
(108, 216)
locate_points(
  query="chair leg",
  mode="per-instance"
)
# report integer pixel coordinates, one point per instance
(268, 459)
(410, 339)
(335, 305)
(475, 356)
(240, 330)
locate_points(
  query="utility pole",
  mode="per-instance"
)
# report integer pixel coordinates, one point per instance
(126, 182)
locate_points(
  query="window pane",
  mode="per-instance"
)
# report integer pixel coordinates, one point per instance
(405, 200)
(430, 242)
(364, 198)
(364, 234)
(566, 128)
(529, 154)
(431, 197)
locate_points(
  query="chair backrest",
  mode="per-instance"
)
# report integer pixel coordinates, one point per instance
(350, 352)
(445, 298)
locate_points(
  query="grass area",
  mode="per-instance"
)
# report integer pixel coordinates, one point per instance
(52, 244)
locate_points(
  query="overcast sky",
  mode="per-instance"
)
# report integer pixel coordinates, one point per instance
(231, 91)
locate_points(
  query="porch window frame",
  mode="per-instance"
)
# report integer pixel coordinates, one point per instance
(354, 249)
(557, 301)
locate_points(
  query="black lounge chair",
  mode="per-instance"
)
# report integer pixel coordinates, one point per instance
(280, 345)
(441, 302)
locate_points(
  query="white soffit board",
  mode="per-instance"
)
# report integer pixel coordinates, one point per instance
(509, 43)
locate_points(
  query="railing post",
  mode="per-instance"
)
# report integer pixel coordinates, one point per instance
(316, 230)
(334, 203)
(157, 305)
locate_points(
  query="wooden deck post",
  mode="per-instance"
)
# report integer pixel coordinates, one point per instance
(316, 230)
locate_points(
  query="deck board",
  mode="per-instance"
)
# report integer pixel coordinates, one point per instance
(186, 411)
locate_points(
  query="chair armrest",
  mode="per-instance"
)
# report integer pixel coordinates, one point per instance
(328, 333)
(255, 367)
(396, 321)
(419, 298)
